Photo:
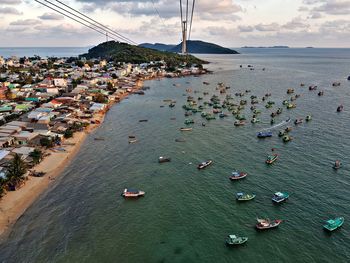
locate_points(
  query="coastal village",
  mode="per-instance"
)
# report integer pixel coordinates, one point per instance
(45, 102)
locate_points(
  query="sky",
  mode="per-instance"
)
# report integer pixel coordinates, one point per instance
(231, 23)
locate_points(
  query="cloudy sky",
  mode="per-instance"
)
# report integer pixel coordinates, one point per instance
(232, 23)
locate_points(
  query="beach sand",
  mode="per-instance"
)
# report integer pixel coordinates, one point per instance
(15, 203)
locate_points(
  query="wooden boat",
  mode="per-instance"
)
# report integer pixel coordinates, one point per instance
(239, 123)
(132, 141)
(189, 121)
(233, 240)
(143, 120)
(271, 158)
(308, 118)
(185, 129)
(287, 138)
(237, 175)
(280, 197)
(180, 140)
(340, 108)
(132, 193)
(312, 87)
(163, 159)
(321, 93)
(337, 165)
(298, 121)
(204, 164)
(99, 139)
(264, 224)
(290, 91)
(281, 133)
(336, 84)
(333, 224)
(244, 197)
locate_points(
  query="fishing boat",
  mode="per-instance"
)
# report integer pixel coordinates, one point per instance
(290, 91)
(287, 138)
(271, 158)
(172, 105)
(337, 165)
(264, 134)
(132, 193)
(321, 93)
(349, 78)
(244, 197)
(288, 129)
(333, 224)
(204, 164)
(180, 140)
(204, 124)
(223, 115)
(340, 108)
(298, 121)
(143, 120)
(291, 106)
(210, 117)
(233, 240)
(272, 121)
(279, 197)
(163, 159)
(264, 224)
(336, 84)
(185, 129)
(308, 118)
(189, 121)
(99, 139)
(281, 133)
(285, 102)
(237, 175)
(132, 141)
(239, 123)
(255, 120)
(312, 87)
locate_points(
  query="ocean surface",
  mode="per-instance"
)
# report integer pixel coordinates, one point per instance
(7, 52)
(186, 213)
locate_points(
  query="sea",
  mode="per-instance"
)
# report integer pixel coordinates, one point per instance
(187, 213)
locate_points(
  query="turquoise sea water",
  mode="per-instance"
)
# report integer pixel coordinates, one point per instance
(186, 214)
(42, 51)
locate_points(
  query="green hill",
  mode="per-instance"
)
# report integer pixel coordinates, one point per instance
(122, 52)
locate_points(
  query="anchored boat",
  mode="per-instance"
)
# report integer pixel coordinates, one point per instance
(333, 224)
(280, 197)
(234, 240)
(237, 175)
(264, 134)
(337, 165)
(163, 159)
(271, 158)
(244, 197)
(204, 164)
(185, 129)
(132, 193)
(340, 108)
(264, 224)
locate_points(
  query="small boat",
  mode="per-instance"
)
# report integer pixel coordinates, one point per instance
(132, 141)
(312, 87)
(333, 224)
(132, 136)
(298, 121)
(237, 175)
(336, 84)
(281, 133)
(223, 115)
(239, 123)
(308, 118)
(290, 91)
(288, 129)
(340, 108)
(287, 138)
(349, 78)
(255, 120)
(244, 197)
(163, 159)
(143, 120)
(337, 165)
(264, 224)
(271, 158)
(264, 134)
(132, 193)
(291, 106)
(321, 93)
(180, 140)
(99, 139)
(185, 129)
(204, 164)
(233, 240)
(189, 121)
(272, 121)
(280, 197)
(204, 124)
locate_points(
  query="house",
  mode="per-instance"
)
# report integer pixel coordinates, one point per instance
(96, 107)
(4, 157)
(24, 137)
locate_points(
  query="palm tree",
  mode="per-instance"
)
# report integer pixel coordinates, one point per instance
(36, 155)
(16, 171)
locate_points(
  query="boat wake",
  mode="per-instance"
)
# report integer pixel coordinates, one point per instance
(277, 125)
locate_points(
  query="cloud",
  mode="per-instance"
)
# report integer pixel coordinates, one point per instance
(51, 16)
(11, 2)
(9, 11)
(25, 22)
(330, 7)
(267, 27)
(295, 24)
(243, 28)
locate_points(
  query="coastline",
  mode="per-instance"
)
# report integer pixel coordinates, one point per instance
(14, 204)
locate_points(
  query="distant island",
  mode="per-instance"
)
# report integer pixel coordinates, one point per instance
(122, 52)
(267, 47)
(193, 47)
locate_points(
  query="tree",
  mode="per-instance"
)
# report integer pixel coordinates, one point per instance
(99, 98)
(68, 134)
(16, 171)
(8, 94)
(36, 155)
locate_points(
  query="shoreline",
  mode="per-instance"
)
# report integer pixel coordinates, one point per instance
(14, 204)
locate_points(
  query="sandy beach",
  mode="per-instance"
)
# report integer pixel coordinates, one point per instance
(15, 203)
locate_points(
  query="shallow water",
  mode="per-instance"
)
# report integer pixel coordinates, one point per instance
(186, 214)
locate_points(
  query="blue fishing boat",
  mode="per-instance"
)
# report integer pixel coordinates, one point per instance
(264, 134)
(280, 197)
(333, 224)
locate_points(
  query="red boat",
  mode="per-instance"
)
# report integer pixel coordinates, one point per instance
(264, 224)
(236, 175)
